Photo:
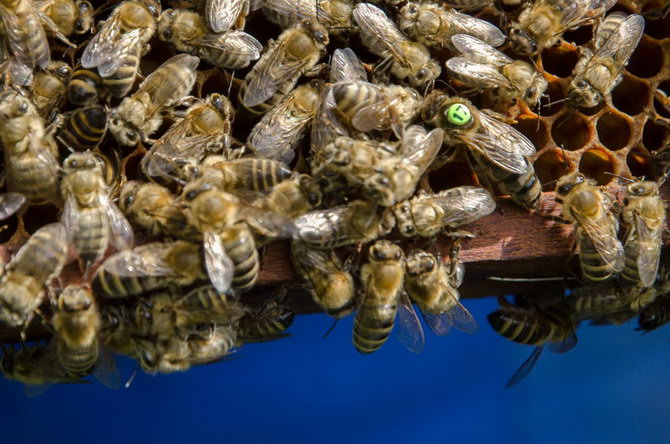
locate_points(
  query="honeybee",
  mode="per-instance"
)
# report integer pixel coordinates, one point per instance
(295, 196)
(295, 52)
(600, 252)
(541, 24)
(358, 222)
(434, 288)
(76, 323)
(428, 214)
(188, 32)
(38, 261)
(644, 217)
(534, 326)
(596, 74)
(279, 132)
(116, 48)
(346, 67)
(335, 15)
(66, 17)
(24, 34)
(605, 303)
(10, 203)
(92, 219)
(205, 129)
(84, 128)
(84, 88)
(239, 244)
(138, 116)
(268, 323)
(497, 151)
(434, 26)
(155, 209)
(152, 266)
(31, 164)
(383, 298)
(407, 59)
(482, 66)
(332, 285)
(48, 88)
(655, 315)
(222, 15)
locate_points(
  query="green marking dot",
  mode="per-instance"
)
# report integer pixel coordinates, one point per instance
(459, 114)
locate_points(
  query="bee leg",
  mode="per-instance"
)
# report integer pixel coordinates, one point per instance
(558, 219)
(459, 234)
(317, 70)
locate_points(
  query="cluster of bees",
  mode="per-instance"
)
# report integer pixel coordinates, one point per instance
(301, 140)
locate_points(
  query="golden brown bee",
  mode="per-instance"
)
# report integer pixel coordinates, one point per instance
(295, 196)
(22, 283)
(358, 222)
(155, 209)
(223, 15)
(644, 217)
(482, 66)
(332, 286)
(84, 88)
(433, 25)
(188, 32)
(611, 303)
(31, 163)
(268, 323)
(139, 116)
(532, 326)
(83, 128)
(295, 52)
(600, 252)
(24, 34)
(152, 266)
(434, 288)
(335, 15)
(407, 59)
(383, 298)
(204, 129)
(497, 152)
(48, 88)
(66, 17)
(116, 48)
(541, 24)
(428, 214)
(278, 134)
(596, 74)
(239, 244)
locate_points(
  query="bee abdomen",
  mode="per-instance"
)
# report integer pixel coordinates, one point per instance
(84, 128)
(350, 96)
(239, 245)
(121, 82)
(372, 327)
(521, 327)
(631, 274)
(31, 177)
(594, 269)
(83, 87)
(79, 361)
(654, 315)
(266, 327)
(114, 286)
(266, 174)
(92, 236)
(525, 189)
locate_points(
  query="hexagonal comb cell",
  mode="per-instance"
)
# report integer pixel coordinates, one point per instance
(658, 29)
(570, 131)
(579, 36)
(662, 98)
(595, 163)
(638, 163)
(654, 136)
(631, 96)
(647, 60)
(560, 61)
(535, 129)
(549, 167)
(613, 131)
(36, 217)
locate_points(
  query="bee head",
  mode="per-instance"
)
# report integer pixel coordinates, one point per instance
(521, 42)
(566, 184)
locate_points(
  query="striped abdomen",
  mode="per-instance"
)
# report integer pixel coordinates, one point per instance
(122, 80)
(240, 246)
(27, 40)
(655, 315)
(594, 268)
(268, 325)
(84, 128)
(373, 325)
(30, 176)
(261, 108)
(630, 276)
(112, 285)
(523, 327)
(524, 189)
(598, 300)
(92, 235)
(352, 96)
(78, 361)
(259, 174)
(82, 89)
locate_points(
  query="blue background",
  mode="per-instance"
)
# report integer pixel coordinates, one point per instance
(613, 387)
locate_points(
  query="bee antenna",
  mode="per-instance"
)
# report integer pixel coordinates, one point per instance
(230, 84)
(619, 176)
(547, 105)
(131, 379)
(325, 335)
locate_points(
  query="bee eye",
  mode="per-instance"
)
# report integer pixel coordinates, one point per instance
(405, 209)
(564, 189)
(116, 122)
(171, 13)
(312, 198)
(409, 229)
(128, 201)
(192, 195)
(79, 25)
(377, 254)
(413, 9)
(131, 136)
(167, 33)
(626, 201)
(580, 178)
(23, 107)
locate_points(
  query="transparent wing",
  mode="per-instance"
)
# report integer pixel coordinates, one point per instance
(481, 29)
(475, 50)
(106, 371)
(268, 223)
(43, 154)
(564, 345)
(371, 117)
(244, 46)
(20, 74)
(222, 14)
(306, 258)
(144, 261)
(35, 390)
(377, 26)
(19, 33)
(316, 227)
(70, 216)
(327, 126)
(419, 149)
(603, 233)
(464, 204)
(99, 48)
(620, 45)
(574, 13)
(122, 231)
(525, 368)
(410, 332)
(10, 203)
(477, 74)
(346, 67)
(649, 241)
(293, 11)
(162, 91)
(219, 266)
(463, 320)
(440, 324)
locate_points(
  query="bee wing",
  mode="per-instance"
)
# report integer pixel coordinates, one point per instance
(470, 5)
(295, 11)
(440, 324)
(410, 332)
(604, 237)
(219, 266)
(463, 320)
(621, 43)
(370, 117)
(478, 74)
(316, 226)
(346, 67)
(649, 256)
(468, 205)
(268, 223)
(10, 203)
(108, 49)
(70, 216)
(161, 92)
(19, 73)
(120, 228)
(309, 258)
(475, 50)
(222, 14)
(419, 149)
(145, 261)
(327, 126)
(19, 40)
(376, 25)
(576, 12)
(106, 371)
(480, 29)
(564, 345)
(525, 368)
(501, 144)
(237, 43)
